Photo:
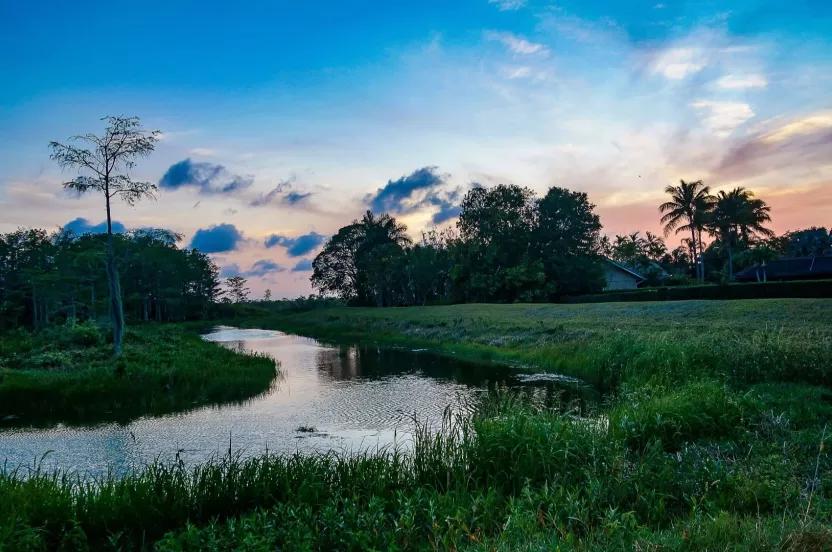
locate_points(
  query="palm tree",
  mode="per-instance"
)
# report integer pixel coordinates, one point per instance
(724, 221)
(739, 213)
(654, 247)
(687, 210)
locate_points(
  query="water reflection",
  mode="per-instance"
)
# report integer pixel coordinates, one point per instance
(342, 397)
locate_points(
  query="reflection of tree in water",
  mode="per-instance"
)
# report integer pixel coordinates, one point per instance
(373, 363)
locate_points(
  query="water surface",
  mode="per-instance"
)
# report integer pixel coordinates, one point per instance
(326, 397)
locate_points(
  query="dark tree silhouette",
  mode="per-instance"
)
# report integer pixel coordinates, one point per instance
(104, 163)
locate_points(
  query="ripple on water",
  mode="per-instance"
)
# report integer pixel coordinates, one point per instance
(355, 397)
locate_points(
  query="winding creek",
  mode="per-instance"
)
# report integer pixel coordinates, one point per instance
(327, 397)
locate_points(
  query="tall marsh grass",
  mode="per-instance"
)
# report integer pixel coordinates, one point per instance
(512, 475)
(163, 369)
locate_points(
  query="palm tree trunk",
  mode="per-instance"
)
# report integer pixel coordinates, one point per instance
(693, 250)
(730, 261)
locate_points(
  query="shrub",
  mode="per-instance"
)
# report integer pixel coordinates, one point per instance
(819, 289)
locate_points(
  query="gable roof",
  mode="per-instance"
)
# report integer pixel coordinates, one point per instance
(624, 269)
(803, 267)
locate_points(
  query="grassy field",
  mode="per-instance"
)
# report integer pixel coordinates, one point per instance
(67, 375)
(609, 343)
(711, 437)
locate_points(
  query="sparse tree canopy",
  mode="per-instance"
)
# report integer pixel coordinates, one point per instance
(104, 164)
(237, 289)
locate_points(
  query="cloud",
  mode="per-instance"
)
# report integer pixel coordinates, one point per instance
(282, 194)
(738, 82)
(263, 267)
(508, 5)
(219, 238)
(259, 269)
(516, 44)
(296, 247)
(304, 265)
(721, 118)
(802, 143)
(679, 63)
(204, 152)
(446, 212)
(423, 189)
(229, 270)
(209, 178)
(81, 226)
(809, 125)
(397, 195)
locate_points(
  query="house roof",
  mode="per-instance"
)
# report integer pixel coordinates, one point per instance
(624, 269)
(803, 267)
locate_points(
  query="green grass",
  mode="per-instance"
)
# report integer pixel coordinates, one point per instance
(710, 437)
(67, 375)
(606, 344)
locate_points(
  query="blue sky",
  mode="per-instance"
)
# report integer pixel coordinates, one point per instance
(288, 119)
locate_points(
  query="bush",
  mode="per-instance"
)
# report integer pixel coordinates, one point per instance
(819, 289)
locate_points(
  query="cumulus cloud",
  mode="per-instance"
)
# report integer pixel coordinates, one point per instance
(219, 238)
(281, 194)
(81, 226)
(259, 269)
(516, 44)
(397, 196)
(721, 118)
(508, 5)
(446, 212)
(296, 247)
(423, 189)
(303, 265)
(208, 178)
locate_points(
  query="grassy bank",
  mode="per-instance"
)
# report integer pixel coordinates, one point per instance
(67, 375)
(511, 479)
(711, 438)
(607, 344)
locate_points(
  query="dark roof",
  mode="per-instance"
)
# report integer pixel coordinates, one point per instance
(624, 268)
(785, 269)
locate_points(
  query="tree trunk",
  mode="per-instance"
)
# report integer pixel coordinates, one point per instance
(701, 257)
(116, 310)
(694, 251)
(70, 318)
(730, 261)
(92, 300)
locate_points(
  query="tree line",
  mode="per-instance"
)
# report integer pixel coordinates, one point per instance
(60, 277)
(510, 245)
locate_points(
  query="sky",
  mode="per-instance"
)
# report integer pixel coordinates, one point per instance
(283, 121)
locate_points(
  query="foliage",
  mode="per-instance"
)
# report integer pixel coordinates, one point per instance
(237, 289)
(105, 169)
(511, 246)
(687, 211)
(58, 278)
(64, 374)
(712, 437)
(754, 290)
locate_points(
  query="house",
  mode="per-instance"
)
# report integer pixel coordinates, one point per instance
(620, 277)
(803, 268)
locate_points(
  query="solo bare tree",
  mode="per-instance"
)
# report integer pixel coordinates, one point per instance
(104, 164)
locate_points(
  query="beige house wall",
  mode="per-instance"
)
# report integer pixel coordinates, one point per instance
(618, 279)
